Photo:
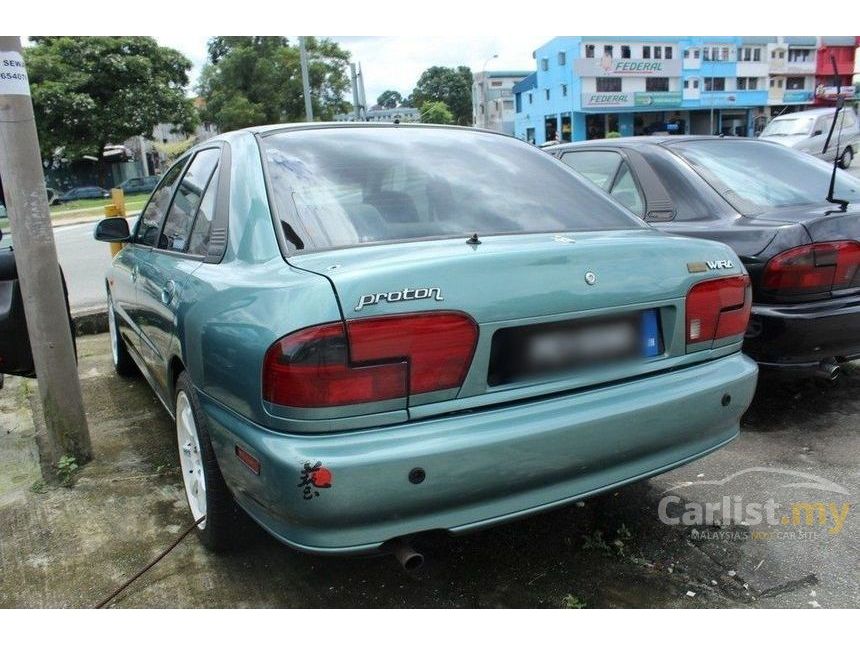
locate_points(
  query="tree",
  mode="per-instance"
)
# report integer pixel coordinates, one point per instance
(253, 80)
(92, 91)
(451, 86)
(389, 99)
(435, 112)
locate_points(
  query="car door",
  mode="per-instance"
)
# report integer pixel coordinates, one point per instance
(165, 270)
(127, 266)
(815, 145)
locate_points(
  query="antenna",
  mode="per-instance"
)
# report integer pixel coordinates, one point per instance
(840, 100)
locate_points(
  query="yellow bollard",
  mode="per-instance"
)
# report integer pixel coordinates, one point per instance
(116, 209)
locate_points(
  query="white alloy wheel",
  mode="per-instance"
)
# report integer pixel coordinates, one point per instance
(114, 338)
(190, 458)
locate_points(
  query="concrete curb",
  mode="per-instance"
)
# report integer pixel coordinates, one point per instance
(90, 321)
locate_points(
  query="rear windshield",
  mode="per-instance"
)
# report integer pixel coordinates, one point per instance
(756, 176)
(335, 187)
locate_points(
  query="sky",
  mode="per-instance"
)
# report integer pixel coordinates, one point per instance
(396, 62)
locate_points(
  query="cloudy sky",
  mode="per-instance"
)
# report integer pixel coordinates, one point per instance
(396, 62)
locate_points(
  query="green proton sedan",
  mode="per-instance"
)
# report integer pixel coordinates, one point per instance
(368, 332)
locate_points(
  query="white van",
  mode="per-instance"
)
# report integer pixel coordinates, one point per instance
(807, 131)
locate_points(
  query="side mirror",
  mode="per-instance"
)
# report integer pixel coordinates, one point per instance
(817, 133)
(112, 229)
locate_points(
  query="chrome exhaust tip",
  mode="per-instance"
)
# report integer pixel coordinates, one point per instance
(829, 370)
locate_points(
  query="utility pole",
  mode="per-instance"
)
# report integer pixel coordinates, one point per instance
(306, 83)
(356, 102)
(65, 424)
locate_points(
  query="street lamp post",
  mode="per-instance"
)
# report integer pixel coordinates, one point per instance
(484, 90)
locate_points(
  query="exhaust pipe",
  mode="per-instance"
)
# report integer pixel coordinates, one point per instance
(829, 370)
(409, 558)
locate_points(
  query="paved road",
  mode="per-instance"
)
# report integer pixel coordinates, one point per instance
(84, 263)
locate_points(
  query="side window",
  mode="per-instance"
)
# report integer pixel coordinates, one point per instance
(596, 165)
(150, 220)
(626, 192)
(199, 243)
(189, 194)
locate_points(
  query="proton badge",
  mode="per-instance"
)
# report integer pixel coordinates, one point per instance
(399, 296)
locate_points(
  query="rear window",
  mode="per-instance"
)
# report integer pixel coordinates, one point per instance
(755, 176)
(348, 186)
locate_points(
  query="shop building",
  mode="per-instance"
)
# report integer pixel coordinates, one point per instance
(593, 87)
(493, 99)
(841, 50)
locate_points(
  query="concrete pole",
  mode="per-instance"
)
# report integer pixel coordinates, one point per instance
(144, 166)
(356, 105)
(306, 84)
(65, 429)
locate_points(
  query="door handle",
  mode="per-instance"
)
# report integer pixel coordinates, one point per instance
(168, 292)
(135, 270)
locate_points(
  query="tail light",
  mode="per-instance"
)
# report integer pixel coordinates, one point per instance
(813, 268)
(718, 308)
(371, 359)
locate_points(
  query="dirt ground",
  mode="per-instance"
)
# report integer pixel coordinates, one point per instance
(70, 547)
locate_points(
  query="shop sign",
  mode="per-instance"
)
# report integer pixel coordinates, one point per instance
(832, 92)
(607, 66)
(657, 99)
(607, 99)
(796, 96)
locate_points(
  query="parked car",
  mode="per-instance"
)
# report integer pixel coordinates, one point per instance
(807, 131)
(365, 332)
(136, 185)
(83, 192)
(768, 203)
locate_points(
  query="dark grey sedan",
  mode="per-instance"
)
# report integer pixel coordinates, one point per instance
(769, 204)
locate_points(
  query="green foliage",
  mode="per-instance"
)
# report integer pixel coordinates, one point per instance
(436, 112)
(613, 135)
(572, 602)
(39, 487)
(451, 86)
(389, 99)
(254, 80)
(91, 91)
(66, 468)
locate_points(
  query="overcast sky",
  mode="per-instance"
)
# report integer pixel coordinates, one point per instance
(396, 62)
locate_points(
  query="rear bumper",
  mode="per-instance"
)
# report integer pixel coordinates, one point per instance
(802, 335)
(482, 467)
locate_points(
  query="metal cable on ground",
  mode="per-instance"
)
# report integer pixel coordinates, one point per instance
(149, 566)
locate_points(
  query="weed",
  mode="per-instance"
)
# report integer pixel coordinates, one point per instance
(66, 468)
(572, 602)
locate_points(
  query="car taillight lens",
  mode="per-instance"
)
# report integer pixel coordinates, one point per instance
(718, 308)
(371, 359)
(813, 268)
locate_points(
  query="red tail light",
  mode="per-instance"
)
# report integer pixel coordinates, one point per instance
(371, 359)
(718, 308)
(813, 268)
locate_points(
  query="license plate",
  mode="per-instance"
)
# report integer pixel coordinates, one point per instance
(533, 351)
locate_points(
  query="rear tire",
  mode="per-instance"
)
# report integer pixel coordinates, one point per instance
(123, 363)
(847, 157)
(205, 489)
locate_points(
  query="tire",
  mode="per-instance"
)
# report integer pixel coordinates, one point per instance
(205, 490)
(123, 363)
(847, 157)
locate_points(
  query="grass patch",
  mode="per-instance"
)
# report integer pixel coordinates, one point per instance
(572, 602)
(132, 202)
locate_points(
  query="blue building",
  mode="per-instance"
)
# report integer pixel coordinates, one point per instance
(589, 87)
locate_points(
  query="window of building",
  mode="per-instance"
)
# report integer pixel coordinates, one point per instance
(519, 102)
(544, 64)
(562, 59)
(724, 53)
(757, 54)
(695, 83)
(495, 83)
(717, 84)
(687, 53)
(564, 90)
(799, 55)
(646, 51)
(607, 50)
(747, 83)
(546, 92)
(707, 55)
(508, 105)
(779, 83)
(531, 98)
(657, 84)
(608, 84)
(625, 51)
(696, 53)
(658, 51)
(589, 51)
(668, 53)
(794, 83)
(686, 84)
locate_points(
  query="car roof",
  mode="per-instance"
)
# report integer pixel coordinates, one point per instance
(319, 125)
(806, 113)
(646, 141)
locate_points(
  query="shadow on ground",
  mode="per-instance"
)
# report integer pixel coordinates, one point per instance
(71, 547)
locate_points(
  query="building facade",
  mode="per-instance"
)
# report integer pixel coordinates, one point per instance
(384, 115)
(593, 87)
(840, 50)
(493, 99)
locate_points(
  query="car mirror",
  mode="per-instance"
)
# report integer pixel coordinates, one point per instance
(817, 133)
(112, 229)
